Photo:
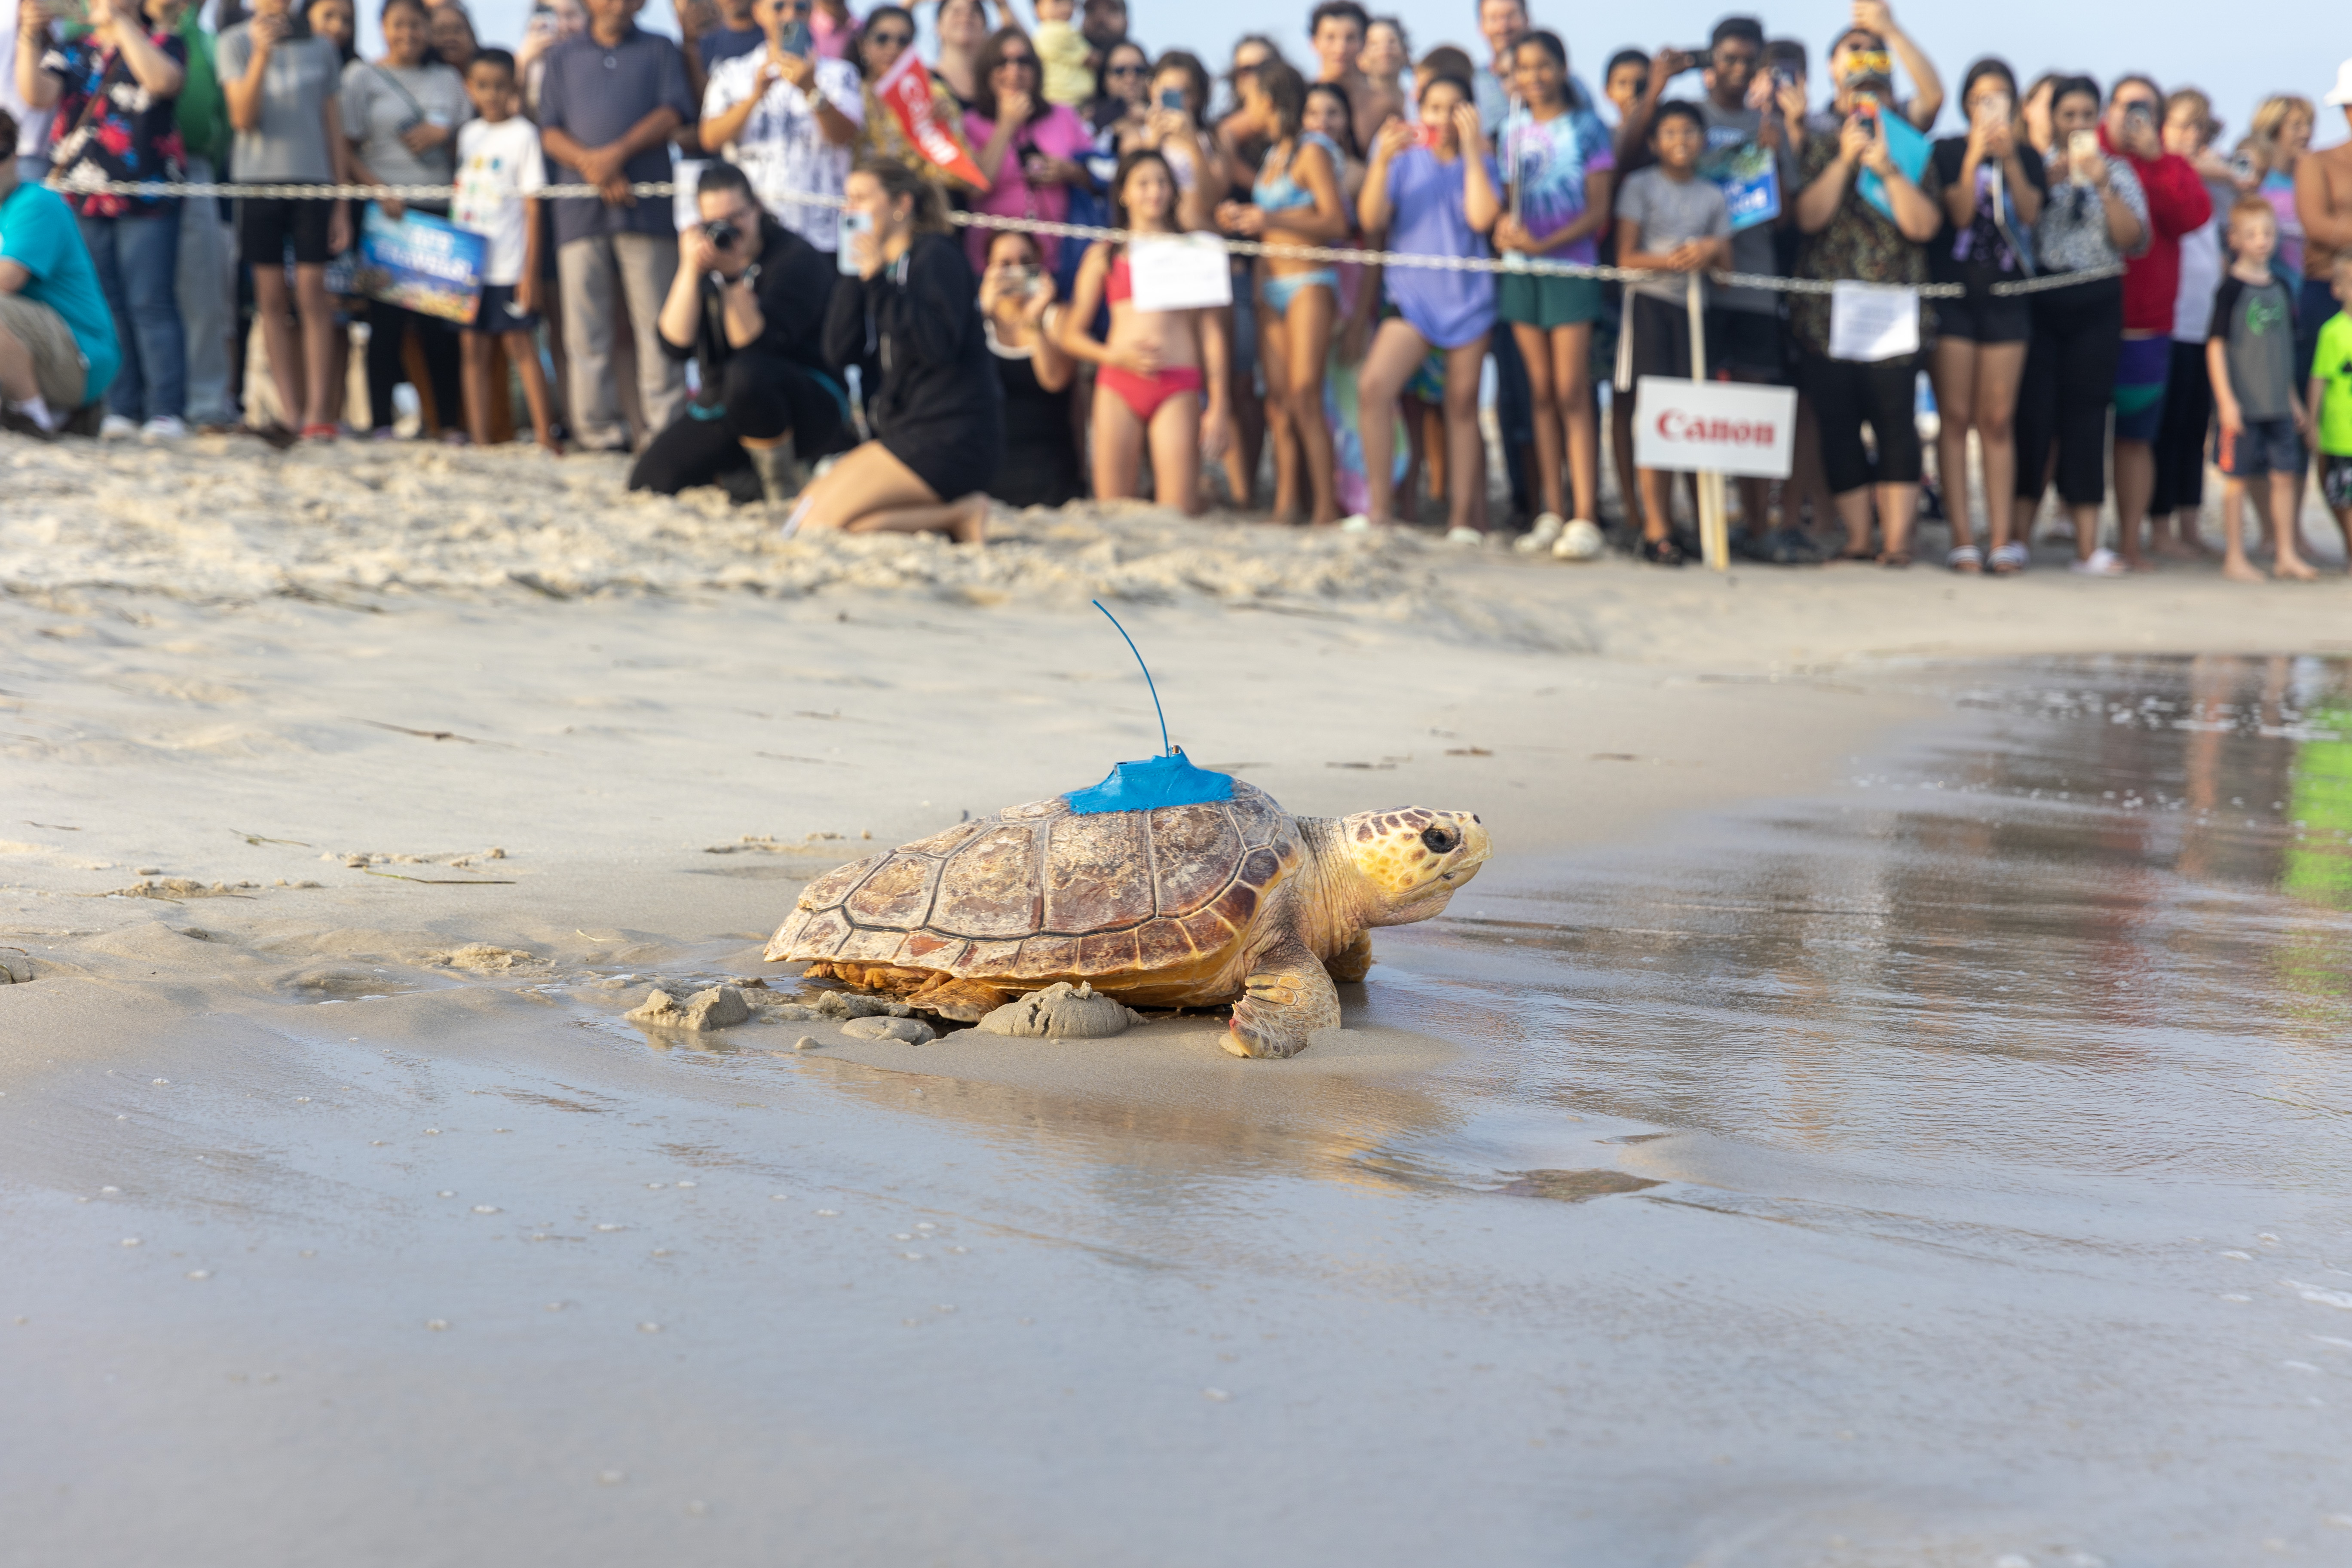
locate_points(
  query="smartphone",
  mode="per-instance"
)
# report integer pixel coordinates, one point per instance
(2082, 144)
(1172, 98)
(850, 223)
(2242, 166)
(1996, 108)
(1782, 77)
(797, 40)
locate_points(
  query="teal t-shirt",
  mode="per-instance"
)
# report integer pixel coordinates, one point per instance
(38, 233)
(2332, 366)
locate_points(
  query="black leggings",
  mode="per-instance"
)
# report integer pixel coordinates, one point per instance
(1845, 396)
(2070, 381)
(2181, 440)
(761, 396)
(389, 327)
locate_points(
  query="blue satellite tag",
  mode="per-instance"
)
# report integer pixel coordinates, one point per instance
(1152, 783)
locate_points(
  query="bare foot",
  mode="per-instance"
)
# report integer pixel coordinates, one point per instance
(2135, 562)
(2295, 570)
(970, 523)
(2180, 549)
(2238, 569)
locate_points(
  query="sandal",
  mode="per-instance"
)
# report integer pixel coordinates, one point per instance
(1895, 559)
(1965, 558)
(1864, 554)
(2009, 559)
(1662, 552)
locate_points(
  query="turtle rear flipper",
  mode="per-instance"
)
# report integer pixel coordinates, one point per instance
(965, 1001)
(1287, 996)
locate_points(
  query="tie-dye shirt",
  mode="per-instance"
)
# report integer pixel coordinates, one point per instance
(1549, 161)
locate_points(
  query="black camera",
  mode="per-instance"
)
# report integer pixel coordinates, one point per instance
(721, 233)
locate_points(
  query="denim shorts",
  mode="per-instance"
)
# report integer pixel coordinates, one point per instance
(2263, 447)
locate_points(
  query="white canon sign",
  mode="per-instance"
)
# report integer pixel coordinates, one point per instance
(1715, 426)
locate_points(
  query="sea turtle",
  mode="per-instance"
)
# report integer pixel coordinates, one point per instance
(1231, 900)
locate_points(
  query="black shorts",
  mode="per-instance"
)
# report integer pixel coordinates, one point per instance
(500, 313)
(1657, 341)
(1986, 318)
(266, 224)
(954, 459)
(1748, 344)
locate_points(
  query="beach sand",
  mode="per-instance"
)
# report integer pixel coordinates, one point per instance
(352, 795)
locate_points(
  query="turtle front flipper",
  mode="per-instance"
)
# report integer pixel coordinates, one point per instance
(1287, 996)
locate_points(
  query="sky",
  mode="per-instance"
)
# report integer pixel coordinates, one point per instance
(2295, 48)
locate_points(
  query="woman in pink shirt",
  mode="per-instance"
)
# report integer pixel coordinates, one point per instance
(1027, 146)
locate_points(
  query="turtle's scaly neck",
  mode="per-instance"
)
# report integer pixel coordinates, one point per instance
(1335, 901)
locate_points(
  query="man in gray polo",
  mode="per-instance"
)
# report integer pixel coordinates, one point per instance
(609, 103)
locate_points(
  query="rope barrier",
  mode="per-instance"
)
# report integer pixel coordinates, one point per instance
(1514, 263)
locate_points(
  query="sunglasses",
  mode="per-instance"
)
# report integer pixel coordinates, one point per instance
(1016, 62)
(892, 40)
(1124, 71)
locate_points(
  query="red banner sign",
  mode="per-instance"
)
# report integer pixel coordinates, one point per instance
(906, 90)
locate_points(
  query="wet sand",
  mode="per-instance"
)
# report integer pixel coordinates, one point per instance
(1831, 1131)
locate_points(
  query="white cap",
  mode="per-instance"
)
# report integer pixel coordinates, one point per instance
(2342, 97)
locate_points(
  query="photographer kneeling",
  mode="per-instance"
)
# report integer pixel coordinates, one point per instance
(748, 305)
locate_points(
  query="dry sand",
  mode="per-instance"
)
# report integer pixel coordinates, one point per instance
(351, 795)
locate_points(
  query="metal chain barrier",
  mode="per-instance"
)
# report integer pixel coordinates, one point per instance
(665, 189)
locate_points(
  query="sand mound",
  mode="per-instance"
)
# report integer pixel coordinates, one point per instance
(221, 519)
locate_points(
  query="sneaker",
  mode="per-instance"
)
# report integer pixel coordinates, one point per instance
(1359, 523)
(20, 422)
(1662, 552)
(1788, 546)
(1582, 540)
(164, 427)
(1465, 538)
(1542, 536)
(2103, 562)
(117, 427)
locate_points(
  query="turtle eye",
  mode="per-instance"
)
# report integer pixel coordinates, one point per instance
(1441, 841)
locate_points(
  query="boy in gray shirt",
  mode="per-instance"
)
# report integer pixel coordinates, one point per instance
(2251, 358)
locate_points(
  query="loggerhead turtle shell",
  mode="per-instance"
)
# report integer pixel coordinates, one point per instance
(1036, 893)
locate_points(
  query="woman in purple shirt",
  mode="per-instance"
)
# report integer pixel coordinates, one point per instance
(1027, 146)
(1431, 190)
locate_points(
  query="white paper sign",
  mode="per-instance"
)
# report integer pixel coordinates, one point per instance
(1872, 321)
(1715, 426)
(1180, 272)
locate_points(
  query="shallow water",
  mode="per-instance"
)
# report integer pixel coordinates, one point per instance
(1950, 1167)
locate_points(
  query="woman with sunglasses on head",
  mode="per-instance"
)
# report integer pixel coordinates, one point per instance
(1296, 201)
(1154, 365)
(889, 32)
(1027, 146)
(936, 406)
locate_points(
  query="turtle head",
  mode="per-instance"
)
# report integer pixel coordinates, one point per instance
(1413, 858)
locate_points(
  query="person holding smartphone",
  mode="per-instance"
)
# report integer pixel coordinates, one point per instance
(908, 306)
(1433, 189)
(1027, 146)
(1993, 188)
(105, 134)
(403, 111)
(2094, 217)
(787, 118)
(1017, 311)
(1849, 237)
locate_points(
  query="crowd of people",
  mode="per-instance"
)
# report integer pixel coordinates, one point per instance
(805, 325)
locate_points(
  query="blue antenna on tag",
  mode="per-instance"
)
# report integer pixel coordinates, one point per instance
(1165, 749)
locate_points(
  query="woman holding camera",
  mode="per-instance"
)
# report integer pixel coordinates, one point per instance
(1992, 192)
(2095, 215)
(937, 414)
(1041, 442)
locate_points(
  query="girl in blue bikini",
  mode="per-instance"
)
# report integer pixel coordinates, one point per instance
(1296, 201)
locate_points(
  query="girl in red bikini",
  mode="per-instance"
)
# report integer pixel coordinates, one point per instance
(1156, 365)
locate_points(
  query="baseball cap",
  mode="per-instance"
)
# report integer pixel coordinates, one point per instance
(2342, 97)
